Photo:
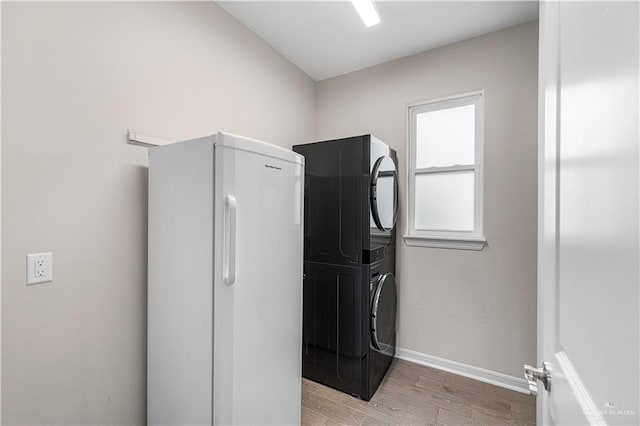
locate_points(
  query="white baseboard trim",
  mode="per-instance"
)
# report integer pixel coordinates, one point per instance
(492, 377)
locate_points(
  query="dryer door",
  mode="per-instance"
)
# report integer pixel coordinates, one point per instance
(383, 314)
(384, 193)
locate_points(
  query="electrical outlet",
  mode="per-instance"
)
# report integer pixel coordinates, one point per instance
(39, 268)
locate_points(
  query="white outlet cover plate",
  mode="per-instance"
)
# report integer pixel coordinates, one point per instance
(45, 271)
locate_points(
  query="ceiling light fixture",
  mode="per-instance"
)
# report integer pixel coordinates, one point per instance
(367, 12)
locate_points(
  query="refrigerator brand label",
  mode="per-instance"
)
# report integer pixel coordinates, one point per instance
(269, 166)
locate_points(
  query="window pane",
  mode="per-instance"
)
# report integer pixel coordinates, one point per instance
(445, 201)
(445, 137)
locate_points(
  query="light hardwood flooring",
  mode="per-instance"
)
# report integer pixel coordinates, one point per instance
(412, 394)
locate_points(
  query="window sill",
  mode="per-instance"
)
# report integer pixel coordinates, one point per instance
(461, 243)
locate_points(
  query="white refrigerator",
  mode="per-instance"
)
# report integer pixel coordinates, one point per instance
(224, 283)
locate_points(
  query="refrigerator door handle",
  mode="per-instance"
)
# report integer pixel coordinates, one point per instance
(229, 269)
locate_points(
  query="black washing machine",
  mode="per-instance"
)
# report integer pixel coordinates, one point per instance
(349, 309)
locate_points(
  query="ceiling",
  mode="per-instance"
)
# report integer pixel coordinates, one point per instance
(327, 38)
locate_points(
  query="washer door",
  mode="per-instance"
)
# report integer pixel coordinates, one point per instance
(384, 193)
(383, 313)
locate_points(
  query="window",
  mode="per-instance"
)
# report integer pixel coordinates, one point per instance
(445, 173)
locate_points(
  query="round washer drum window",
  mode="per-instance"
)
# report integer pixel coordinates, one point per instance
(383, 313)
(384, 193)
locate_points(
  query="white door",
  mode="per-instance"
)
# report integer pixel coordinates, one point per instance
(258, 283)
(588, 277)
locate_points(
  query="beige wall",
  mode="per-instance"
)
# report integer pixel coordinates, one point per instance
(477, 308)
(75, 76)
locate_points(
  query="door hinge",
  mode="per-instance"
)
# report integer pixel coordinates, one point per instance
(533, 374)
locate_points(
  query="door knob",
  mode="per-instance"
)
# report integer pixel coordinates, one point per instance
(533, 374)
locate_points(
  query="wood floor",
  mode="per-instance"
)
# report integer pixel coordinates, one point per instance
(412, 394)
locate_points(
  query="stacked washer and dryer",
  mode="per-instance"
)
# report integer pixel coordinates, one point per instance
(349, 308)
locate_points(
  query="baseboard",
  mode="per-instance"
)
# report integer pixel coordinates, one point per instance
(492, 377)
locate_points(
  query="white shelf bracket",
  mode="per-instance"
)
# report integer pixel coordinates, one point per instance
(134, 138)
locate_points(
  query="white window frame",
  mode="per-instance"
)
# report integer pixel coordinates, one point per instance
(467, 240)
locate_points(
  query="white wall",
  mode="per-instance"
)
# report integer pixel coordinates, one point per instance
(75, 76)
(0, 222)
(477, 308)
